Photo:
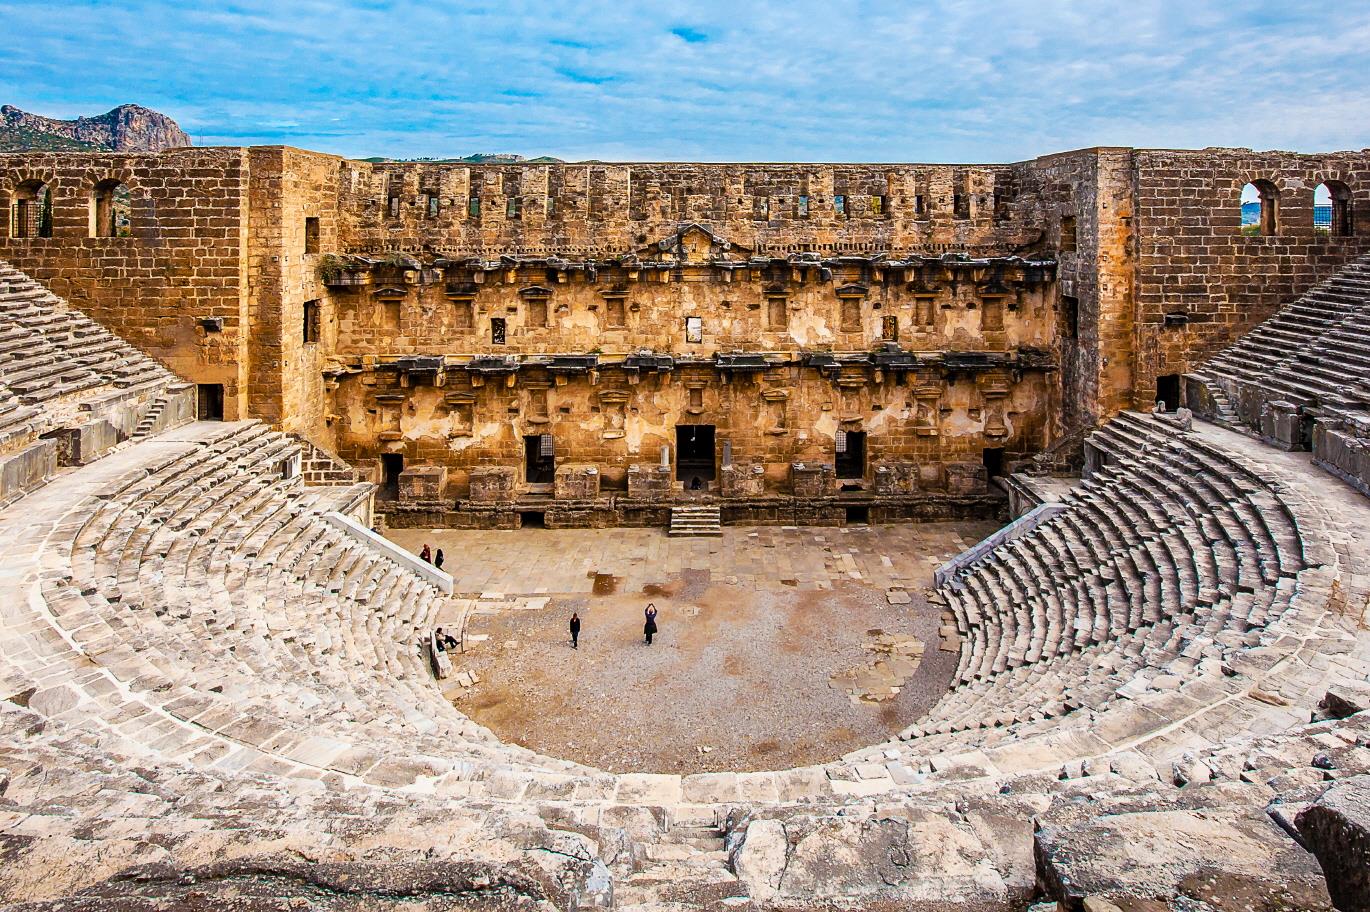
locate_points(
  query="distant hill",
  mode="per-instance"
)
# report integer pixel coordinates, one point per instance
(127, 128)
(1322, 215)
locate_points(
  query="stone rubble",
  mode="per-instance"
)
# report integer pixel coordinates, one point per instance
(206, 689)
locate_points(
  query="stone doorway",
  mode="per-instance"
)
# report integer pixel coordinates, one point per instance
(210, 401)
(850, 456)
(694, 461)
(1168, 391)
(539, 460)
(392, 464)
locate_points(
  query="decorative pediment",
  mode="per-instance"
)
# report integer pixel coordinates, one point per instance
(535, 291)
(390, 291)
(852, 291)
(693, 243)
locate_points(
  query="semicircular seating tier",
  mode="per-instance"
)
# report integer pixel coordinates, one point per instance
(1313, 352)
(205, 685)
(70, 390)
(207, 588)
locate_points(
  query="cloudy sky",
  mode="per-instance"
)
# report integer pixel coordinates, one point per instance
(941, 81)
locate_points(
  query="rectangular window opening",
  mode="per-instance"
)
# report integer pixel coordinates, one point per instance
(311, 234)
(889, 328)
(851, 315)
(1070, 316)
(1068, 238)
(497, 330)
(993, 459)
(462, 314)
(209, 401)
(858, 516)
(777, 314)
(311, 322)
(694, 329)
(537, 312)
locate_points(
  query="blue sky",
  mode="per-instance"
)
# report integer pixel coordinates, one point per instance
(948, 81)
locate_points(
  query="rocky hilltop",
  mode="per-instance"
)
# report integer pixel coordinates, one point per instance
(127, 128)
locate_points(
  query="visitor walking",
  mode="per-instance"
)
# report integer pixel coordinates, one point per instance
(649, 628)
(425, 555)
(437, 559)
(575, 630)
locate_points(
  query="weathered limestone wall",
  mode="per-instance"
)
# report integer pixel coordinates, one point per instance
(238, 268)
(1086, 199)
(1193, 262)
(288, 187)
(617, 418)
(600, 209)
(182, 263)
(841, 307)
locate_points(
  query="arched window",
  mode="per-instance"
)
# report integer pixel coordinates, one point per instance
(109, 210)
(1332, 213)
(31, 214)
(1260, 208)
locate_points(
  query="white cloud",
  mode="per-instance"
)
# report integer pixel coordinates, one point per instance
(955, 80)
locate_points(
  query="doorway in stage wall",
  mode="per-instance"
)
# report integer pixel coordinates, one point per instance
(392, 464)
(539, 459)
(850, 455)
(694, 455)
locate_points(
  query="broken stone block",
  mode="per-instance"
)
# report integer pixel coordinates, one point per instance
(494, 484)
(1232, 858)
(1336, 828)
(577, 482)
(1344, 700)
(896, 477)
(423, 483)
(649, 481)
(743, 479)
(811, 479)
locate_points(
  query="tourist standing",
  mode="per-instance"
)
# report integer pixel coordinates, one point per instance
(575, 630)
(437, 559)
(425, 555)
(649, 628)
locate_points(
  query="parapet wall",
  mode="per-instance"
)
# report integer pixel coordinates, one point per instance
(1200, 282)
(605, 209)
(176, 283)
(226, 272)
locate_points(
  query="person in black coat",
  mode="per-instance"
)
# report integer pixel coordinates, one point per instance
(437, 559)
(575, 630)
(649, 628)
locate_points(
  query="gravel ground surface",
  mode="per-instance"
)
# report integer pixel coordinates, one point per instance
(753, 627)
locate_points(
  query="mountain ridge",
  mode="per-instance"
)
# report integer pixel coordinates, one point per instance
(126, 128)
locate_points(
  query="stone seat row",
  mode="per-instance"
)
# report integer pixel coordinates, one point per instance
(1167, 554)
(209, 587)
(1296, 327)
(48, 350)
(1311, 353)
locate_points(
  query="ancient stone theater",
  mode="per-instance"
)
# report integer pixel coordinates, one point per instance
(1007, 523)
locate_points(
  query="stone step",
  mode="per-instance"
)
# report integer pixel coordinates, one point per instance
(696, 520)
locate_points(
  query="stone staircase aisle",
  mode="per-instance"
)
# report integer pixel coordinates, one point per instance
(1224, 413)
(696, 520)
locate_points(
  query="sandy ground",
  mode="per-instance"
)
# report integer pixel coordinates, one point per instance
(743, 669)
